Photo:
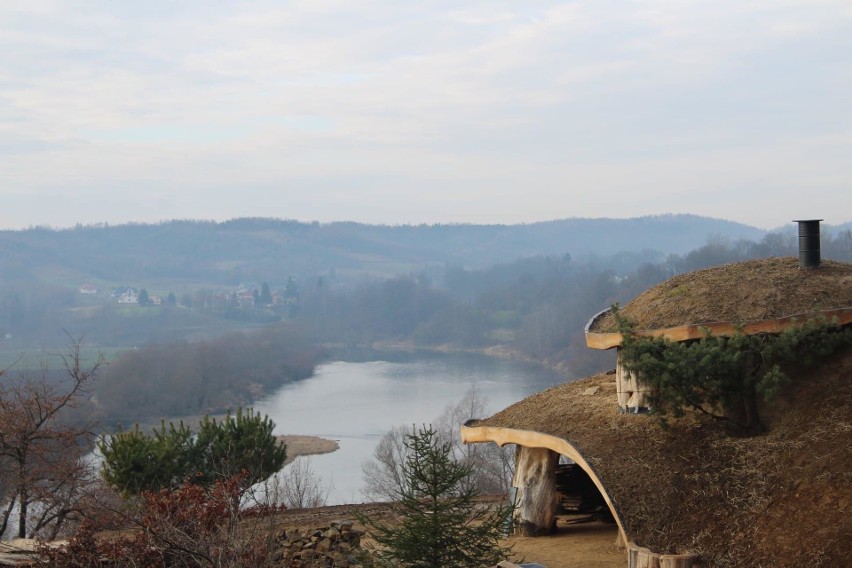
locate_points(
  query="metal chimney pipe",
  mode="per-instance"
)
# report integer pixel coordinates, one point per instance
(809, 255)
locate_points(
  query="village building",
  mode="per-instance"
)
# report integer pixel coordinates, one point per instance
(88, 289)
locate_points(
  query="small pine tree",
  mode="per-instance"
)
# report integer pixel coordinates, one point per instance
(241, 444)
(136, 462)
(441, 523)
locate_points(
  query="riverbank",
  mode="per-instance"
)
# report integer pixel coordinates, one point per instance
(300, 445)
(497, 351)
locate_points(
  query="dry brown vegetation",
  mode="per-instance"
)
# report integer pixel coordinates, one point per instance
(299, 445)
(742, 292)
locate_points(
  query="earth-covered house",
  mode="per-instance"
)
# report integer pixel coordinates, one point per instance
(694, 494)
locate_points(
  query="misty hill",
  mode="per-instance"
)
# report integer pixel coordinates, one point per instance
(253, 249)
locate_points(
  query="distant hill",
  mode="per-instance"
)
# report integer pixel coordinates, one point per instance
(254, 249)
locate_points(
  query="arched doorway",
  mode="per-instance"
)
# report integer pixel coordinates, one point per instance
(536, 461)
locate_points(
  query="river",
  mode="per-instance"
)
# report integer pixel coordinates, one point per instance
(358, 399)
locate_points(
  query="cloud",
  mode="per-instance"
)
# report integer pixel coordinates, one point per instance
(422, 111)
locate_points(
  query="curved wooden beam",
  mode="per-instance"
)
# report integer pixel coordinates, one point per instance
(608, 340)
(532, 439)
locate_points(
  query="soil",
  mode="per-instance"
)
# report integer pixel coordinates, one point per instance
(743, 292)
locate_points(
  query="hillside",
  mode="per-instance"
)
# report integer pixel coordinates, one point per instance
(273, 249)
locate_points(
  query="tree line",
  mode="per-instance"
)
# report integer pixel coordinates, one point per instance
(537, 306)
(204, 377)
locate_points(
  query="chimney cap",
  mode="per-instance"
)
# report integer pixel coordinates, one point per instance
(807, 220)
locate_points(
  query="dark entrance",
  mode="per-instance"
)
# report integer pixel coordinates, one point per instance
(578, 494)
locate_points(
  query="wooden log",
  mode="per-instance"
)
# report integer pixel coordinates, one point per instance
(676, 560)
(630, 391)
(535, 480)
(641, 557)
(637, 556)
(648, 559)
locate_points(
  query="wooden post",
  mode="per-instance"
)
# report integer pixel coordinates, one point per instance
(630, 391)
(535, 479)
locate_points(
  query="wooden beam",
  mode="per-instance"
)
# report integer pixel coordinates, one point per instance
(595, 340)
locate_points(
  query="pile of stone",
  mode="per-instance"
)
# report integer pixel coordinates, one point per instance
(335, 546)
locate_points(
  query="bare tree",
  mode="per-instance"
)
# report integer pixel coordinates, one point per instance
(40, 455)
(492, 466)
(300, 487)
(383, 475)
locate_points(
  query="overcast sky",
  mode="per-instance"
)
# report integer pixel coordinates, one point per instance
(409, 112)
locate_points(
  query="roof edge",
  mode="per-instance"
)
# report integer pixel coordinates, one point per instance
(608, 340)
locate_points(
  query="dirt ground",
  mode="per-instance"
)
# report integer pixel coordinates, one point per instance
(572, 545)
(585, 545)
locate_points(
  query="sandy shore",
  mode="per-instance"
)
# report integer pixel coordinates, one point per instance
(298, 445)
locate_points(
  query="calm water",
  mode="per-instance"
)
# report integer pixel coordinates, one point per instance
(356, 402)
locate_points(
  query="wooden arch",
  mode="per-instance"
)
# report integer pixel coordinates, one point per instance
(532, 439)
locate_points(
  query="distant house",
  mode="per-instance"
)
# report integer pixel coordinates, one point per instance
(247, 287)
(245, 298)
(128, 297)
(119, 291)
(155, 300)
(88, 289)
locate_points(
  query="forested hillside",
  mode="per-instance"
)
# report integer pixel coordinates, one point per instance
(190, 297)
(254, 249)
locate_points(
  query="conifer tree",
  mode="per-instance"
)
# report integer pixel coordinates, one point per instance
(440, 523)
(724, 377)
(240, 444)
(136, 462)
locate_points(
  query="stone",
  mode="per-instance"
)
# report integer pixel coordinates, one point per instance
(332, 534)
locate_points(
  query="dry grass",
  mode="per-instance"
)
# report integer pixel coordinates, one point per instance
(299, 445)
(754, 290)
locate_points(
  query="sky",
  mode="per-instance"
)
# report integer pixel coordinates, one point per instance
(392, 112)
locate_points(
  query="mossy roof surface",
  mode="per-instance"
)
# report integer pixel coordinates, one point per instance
(742, 292)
